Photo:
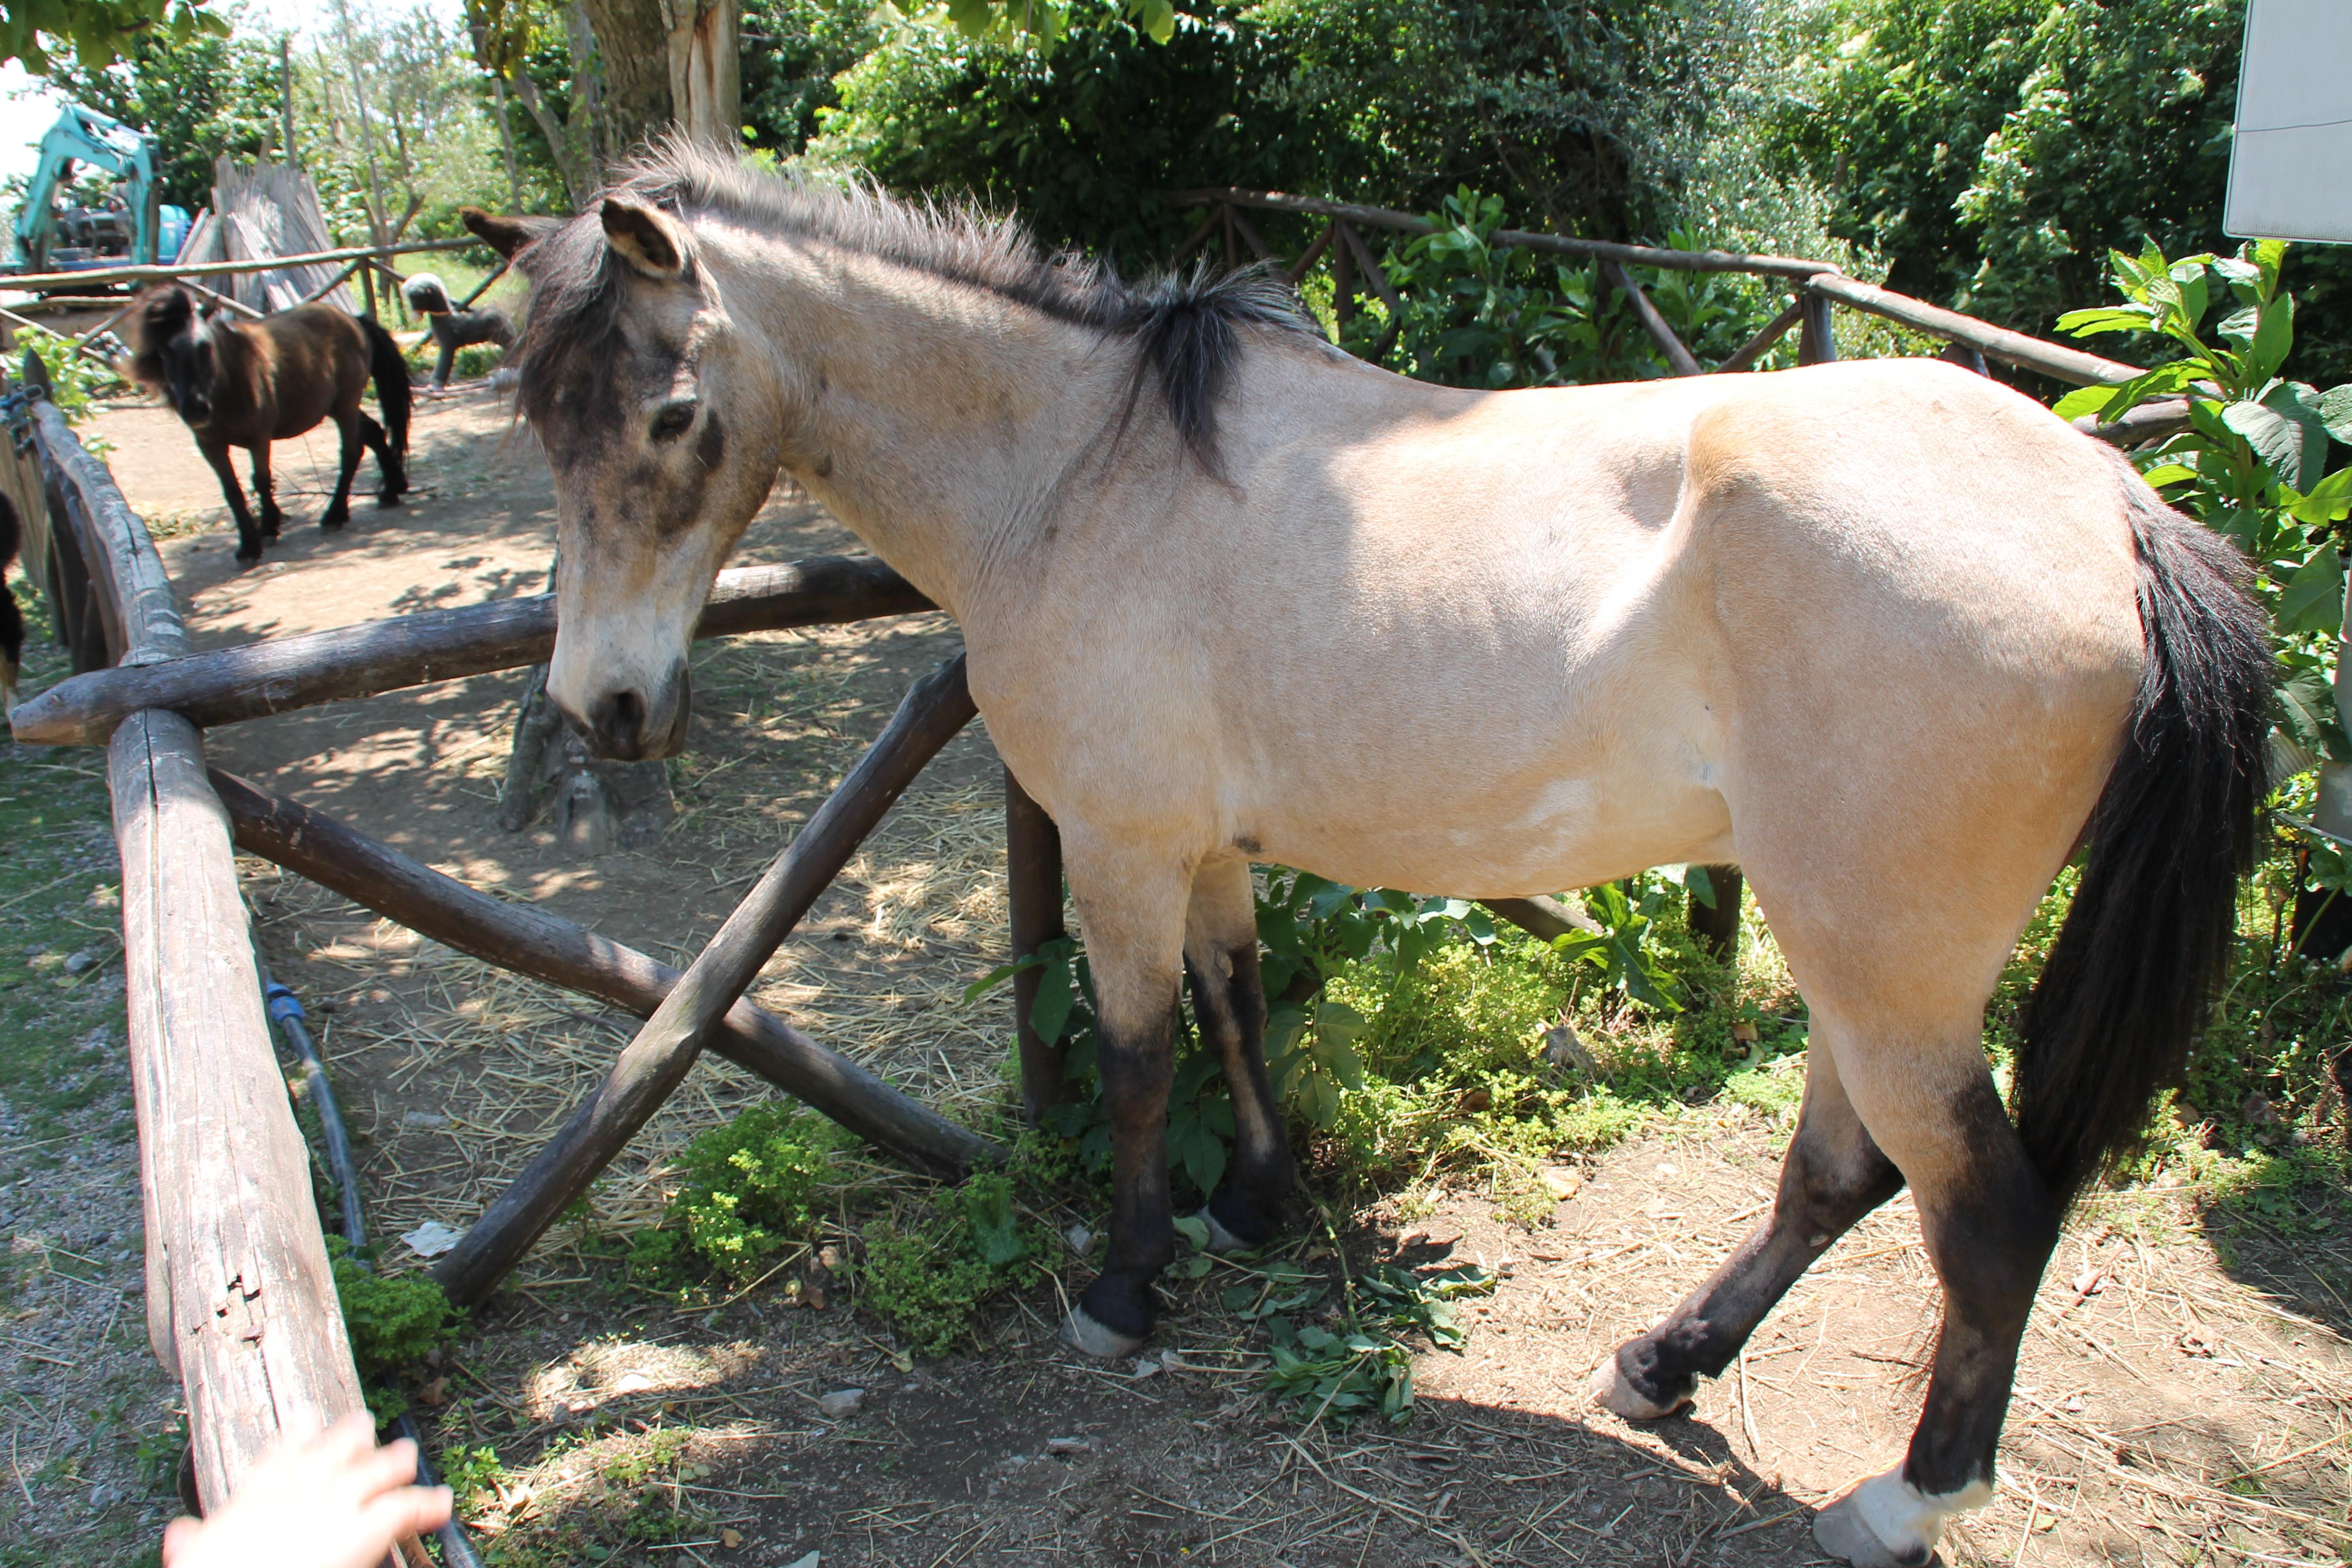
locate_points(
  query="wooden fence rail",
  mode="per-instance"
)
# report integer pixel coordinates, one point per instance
(1820, 280)
(241, 1302)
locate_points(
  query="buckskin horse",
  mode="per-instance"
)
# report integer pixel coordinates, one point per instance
(248, 383)
(1887, 633)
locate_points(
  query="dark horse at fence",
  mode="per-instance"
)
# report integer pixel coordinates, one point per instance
(1229, 595)
(248, 383)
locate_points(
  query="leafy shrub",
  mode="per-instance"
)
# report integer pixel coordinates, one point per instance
(1994, 151)
(393, 1321)
(751, 1189)
(927, 1276)
(74, 380)
(1491, 316)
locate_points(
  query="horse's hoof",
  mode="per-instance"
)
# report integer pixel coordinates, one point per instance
(1220, 1240)
(1612, 1391)
(332, 523)
(1082, 1333)
(1887, 1523)
(248, 557)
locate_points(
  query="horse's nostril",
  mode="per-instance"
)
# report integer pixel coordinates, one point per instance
(619, 722)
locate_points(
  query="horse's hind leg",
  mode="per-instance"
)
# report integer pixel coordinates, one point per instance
(1221, 964)
(339, 508)
(1991, 1222)
(390, 469)
(266, 492)
(1833, 1175)
(248, 538)
(1131, 905)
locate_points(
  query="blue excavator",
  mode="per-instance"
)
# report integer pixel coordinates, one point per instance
(129, 226)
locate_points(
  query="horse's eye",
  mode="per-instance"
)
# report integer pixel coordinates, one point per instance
(672, 421)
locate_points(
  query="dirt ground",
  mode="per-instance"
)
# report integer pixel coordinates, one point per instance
(2186, 1393)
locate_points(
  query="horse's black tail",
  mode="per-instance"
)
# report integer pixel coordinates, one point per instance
(2134, 970)
(392, 393)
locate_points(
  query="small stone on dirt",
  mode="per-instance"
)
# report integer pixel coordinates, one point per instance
(841, 1404)
(423, 1119)
(1062, 1447)
(81, 963)
(1145, 1366)
(1564, 1185)
(731, 1539)
(1080, 1238)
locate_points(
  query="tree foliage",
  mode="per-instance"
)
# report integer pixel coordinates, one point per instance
(202, 95)
(44, 33)
(1995, 151)
(1559, 109)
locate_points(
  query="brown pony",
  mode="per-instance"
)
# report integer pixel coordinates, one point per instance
(248, 383)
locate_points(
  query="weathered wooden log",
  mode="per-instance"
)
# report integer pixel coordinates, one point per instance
(280, 673)
(1759, 345)
(32, 282)
(656, 1061)
(1033, 885)
(2053, 360)
(1377, 277)
(1716, 927)
(2148, 422)
(249, 1315)
(1560, 244)
(1816, 334)
(1682, 359)
(547, 947)
(1547, 918)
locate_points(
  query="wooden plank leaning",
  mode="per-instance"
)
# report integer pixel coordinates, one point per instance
(528, 941)
(279, 674)
(656, 1061)
(241, 1301)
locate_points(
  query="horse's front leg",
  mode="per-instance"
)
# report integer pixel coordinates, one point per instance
(339, 510)
(248, 538)
(1131, 906)
(265, 490)
(1221, 964)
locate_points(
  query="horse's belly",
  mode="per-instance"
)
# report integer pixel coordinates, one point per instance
(1571, 831)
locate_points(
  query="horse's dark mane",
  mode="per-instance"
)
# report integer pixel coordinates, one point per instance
(1184, 327)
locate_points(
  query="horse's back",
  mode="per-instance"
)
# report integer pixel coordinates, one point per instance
(318, 364)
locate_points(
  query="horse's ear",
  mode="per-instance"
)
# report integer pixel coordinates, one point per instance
(508, 235)
(647, 239)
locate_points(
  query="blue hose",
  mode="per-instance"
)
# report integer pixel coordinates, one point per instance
(286, 1012)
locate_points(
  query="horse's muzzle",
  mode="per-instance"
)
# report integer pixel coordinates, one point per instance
(623, 726)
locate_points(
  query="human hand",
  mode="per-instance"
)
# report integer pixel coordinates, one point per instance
(332, 1501)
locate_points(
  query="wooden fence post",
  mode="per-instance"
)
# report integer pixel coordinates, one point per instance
(656, 1061)
(1816, 338)
(1032, 878)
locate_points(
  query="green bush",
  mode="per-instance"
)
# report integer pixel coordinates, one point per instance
(393, 1320)
(1993, 151)
(926, 1275)
(1569, 111)
(751, 1189)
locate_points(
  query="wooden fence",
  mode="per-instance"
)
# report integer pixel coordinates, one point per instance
(241, 1303)
(1815, 287)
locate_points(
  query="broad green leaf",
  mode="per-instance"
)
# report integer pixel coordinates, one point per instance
(1701, 885)
(2328, 501)
(2273, 336)
(2313, 599)
(2168, 474)
(2107, 319)
(1057, 993)
(2335, 412)
(2274, 437)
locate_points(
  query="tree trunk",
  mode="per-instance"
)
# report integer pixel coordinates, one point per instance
(633, 44)
(670, 64)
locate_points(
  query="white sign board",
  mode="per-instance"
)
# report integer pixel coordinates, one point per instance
(2291, 162)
